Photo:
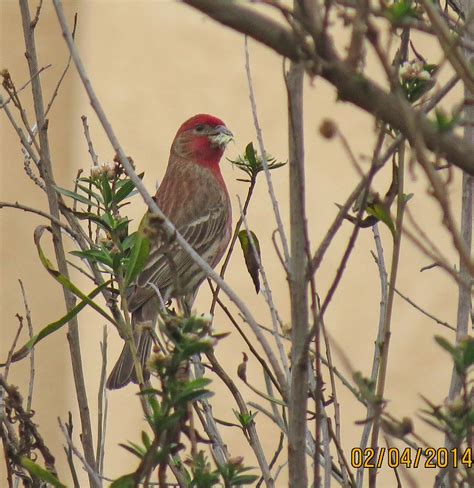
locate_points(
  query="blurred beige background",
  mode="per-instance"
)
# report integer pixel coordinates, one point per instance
(153, 64)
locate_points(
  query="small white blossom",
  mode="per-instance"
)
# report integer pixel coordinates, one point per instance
(414, 70)
(95, 171)
(108, 169)
(111, 170)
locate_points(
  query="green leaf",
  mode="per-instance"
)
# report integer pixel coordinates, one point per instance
(121, 224)
(41, 473)
(198, 383)
(444, 122)
(401, 10)
(455, 352)
(63, 280)
(378, 211)
(251, 163)
(138, 257)
(244, 479)
(93, 218)
(250, 155)
(146, 440)
(108, 220)
(134, 449)
(191, 396)
(91, 181)
(251, 260)
(75, 196)
(128, 242)
(467, 348)
(91, 193)
(197, 347)
(56, 325)
(245, 418)
(106, 190)
(126, 481)
(445, 344)
(125, 188)
(95, 255)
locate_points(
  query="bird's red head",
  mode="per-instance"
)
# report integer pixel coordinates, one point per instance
(203, 139)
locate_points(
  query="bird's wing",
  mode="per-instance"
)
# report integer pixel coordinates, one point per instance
(169, 266)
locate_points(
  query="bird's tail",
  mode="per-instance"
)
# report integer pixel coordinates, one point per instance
(143, 318)
(124, 369)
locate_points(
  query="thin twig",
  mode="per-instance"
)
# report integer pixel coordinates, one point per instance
(29, 425)
(424, 312)
(13, 346)
(380, 261)
(384, 345)
(96, 481)
(250, 428)
(61, 78)
(32, 352)
(46, 215)
(259, 358)
(102, 405)
(95, 159)
(9, 99)
(263, 154)
(69, 453)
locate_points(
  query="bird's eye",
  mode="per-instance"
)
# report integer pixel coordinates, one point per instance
(200, 128)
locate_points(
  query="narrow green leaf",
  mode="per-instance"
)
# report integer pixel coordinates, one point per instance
(75, 196)
(250, 155)
(445, 344)
(60, 278)
(106, 190)
(135, 449)
(192, 396)
(56, 325)
(108, 220)
(94, 218)
(138, 257)
(251, 260)
(126, 481)
(146, 440)
(41, 473)
(467, 347)
(244, 479)
(197, 383)
(380, 213)
(128, 242)
(91, 193)
(95, 255)
(92, 181)
(125, 189)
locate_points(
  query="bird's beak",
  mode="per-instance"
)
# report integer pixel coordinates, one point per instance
(221, 136)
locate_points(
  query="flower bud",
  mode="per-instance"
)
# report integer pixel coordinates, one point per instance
(328, 128)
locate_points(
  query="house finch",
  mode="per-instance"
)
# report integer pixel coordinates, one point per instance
(194, 197)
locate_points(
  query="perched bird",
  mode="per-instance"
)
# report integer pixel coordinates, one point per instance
(194, 197)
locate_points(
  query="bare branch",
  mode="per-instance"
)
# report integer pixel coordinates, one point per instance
(32, 353)
(46, 172)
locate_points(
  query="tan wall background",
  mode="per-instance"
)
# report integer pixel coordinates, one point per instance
(153, 64)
